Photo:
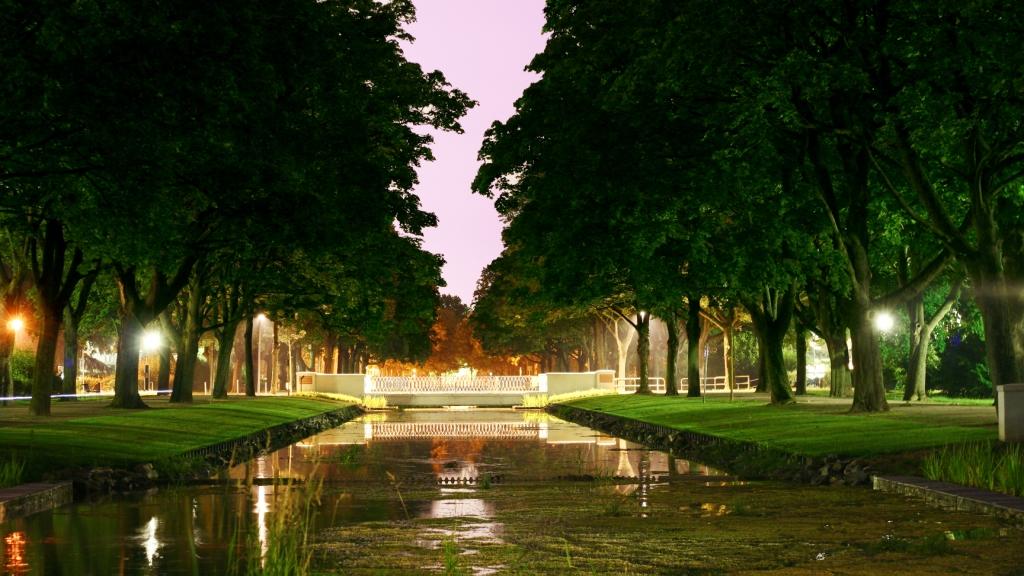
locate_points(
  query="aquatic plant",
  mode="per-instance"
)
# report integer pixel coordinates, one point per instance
(979, 464)
(535, 400)
(286, 549)
(451, 558)
(374, 402)
(397, 486)
(12, 471)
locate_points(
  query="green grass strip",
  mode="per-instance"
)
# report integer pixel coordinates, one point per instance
(155, 434)
(806, 429)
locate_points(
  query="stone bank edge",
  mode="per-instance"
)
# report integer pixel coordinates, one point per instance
(743, 458)
(201, 463)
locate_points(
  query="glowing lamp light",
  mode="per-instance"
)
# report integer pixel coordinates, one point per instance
(151, 340)
(15, 324)
(261, 316)
(884, 321)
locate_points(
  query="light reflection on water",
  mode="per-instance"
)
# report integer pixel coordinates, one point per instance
(189, 530)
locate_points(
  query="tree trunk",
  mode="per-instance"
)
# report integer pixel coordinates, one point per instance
(225, 342)
(126, 373)
(913, 388)
(775, 376)
(771, 317)
(643, 350)
(868, 389)
(730, 369)
(672, 350)
(274, 382)
(1002, 313)
(46, 355)
(840, 379)
(6, 350)
(249, 370)
(70, 355)
(801, 360)
(693, 334)
(329, 346)
(185, 368)
(563, 359)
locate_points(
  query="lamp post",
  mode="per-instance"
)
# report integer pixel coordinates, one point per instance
(151, 341)
(259, 349)
(15, 325)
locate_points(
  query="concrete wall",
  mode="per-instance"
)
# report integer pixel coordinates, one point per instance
(566, 382)
(350, 384)
(1011, 412)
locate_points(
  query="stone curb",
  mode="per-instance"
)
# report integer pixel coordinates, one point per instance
(34, 497)
(953, 496)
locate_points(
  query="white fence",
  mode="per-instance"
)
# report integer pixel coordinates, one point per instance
(711, 384)
(630, 385)
(743, 383)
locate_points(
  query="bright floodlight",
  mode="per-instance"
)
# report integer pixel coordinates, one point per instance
(15, 324)
(261, 316)
(151, 340)
(884, 321)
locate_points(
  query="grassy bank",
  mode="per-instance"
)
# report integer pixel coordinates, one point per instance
(811, 429)
(87, 433)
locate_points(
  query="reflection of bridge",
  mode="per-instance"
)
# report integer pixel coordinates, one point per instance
(406, 430)
(458, 425)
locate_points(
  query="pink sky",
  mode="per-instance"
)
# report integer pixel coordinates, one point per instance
(481, 46)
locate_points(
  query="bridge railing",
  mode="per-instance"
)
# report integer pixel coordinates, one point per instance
(452, 385)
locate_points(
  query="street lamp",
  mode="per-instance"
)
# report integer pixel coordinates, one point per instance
(883, 321)
(15, 324)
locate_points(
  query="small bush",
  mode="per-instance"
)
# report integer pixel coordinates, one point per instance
(374, 402)
(535, 400)
(23, 364)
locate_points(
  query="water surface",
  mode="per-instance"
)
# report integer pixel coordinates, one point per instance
(486, 492)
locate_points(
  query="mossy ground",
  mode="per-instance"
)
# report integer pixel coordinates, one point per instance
(693, 525)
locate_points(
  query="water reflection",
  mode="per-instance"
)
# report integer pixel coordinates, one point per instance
(149, 542)
(14, 553)
(191, 530)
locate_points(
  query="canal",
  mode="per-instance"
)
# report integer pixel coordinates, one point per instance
(501, 492)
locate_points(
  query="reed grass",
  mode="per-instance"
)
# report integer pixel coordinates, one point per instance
(985, 465)
(12, 471)
(290, 528)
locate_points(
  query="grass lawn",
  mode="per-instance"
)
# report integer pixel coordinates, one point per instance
(814, 428)
(88, 433)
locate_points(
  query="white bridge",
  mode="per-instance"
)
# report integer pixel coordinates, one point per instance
(464, 390)
(454, 390)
